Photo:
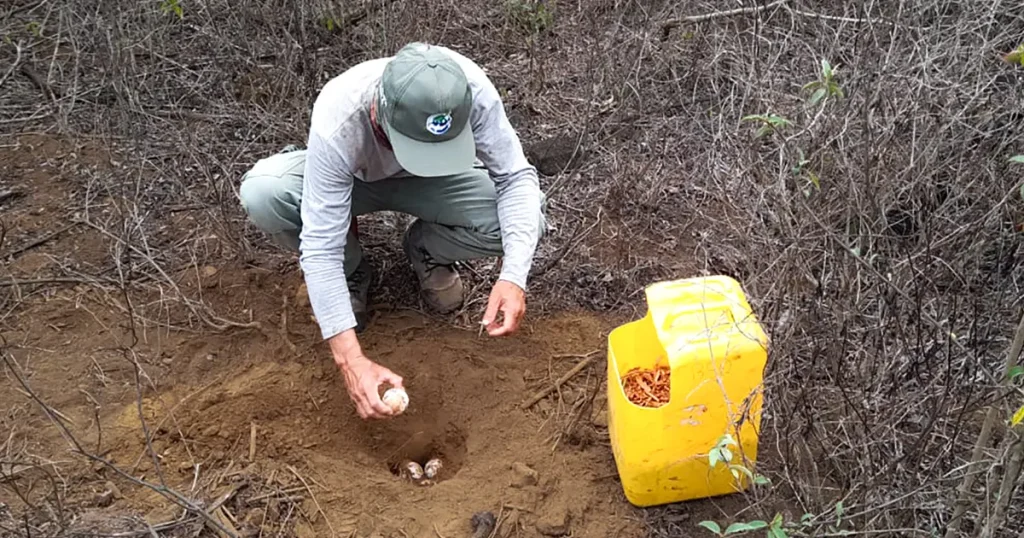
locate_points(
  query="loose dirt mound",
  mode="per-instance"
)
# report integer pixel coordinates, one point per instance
(240, 411)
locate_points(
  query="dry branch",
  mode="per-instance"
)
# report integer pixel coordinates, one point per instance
(962, 502)
(39, 81)
(1010, 480)
(560, 381)
(14, 65)
(309, 490)
(41, 241)
(672, 23)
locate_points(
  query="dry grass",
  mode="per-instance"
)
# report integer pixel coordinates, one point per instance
(909, 238)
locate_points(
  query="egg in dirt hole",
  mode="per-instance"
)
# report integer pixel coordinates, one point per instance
(397, 399)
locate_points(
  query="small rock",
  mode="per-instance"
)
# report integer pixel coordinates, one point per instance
(600, 419)
(211, 430)
(554, 521)
(167, 361)
(302, 296)
(523, 475)
(114, 491)
(104, 499)
(209, 271)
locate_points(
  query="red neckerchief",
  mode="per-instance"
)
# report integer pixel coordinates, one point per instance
(377, 130)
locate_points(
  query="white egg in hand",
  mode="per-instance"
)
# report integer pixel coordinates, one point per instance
(396, 399)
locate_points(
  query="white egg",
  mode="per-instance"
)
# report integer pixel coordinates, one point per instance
(396, 399)
(412, 470)
(432, 468)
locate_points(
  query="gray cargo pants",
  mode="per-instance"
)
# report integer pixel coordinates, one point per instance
(459, 213)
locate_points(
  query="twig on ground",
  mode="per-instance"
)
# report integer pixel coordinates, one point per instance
(252, 442)
(17, 60)
(284, 322)
(315, 501)
(41, 241)
(561, 380)
(40, 83)
(672, 23)
(56, 280)
(10, 193)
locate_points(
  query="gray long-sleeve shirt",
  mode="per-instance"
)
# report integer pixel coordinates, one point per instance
(342, 149)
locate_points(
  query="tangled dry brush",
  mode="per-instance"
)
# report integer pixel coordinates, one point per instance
(876, 225)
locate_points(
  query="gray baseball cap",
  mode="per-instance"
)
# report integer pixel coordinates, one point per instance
(425, 102)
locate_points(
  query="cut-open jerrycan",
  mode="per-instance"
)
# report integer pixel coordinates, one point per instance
(704, 330)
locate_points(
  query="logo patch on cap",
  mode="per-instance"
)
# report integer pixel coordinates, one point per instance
(438, 124)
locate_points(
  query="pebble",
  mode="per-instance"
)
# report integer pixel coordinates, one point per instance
(115, 492)
(104, 499)
(523, 475)
(554, 522)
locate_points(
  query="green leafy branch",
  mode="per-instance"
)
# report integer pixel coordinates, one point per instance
(1018, 159)
(1016, 56)
(172, 6)
(801, 169)
(534, 16)
(825, 87)
(779, 528)
(770, 123)
(722, 454)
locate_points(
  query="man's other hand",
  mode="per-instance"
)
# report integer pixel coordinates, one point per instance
(510, 301)
(363, 379)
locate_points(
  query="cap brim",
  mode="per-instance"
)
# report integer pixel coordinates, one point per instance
(429, 159)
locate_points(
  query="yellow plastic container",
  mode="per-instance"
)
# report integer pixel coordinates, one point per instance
(705, 331)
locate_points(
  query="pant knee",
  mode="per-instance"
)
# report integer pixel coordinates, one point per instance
(269, 203)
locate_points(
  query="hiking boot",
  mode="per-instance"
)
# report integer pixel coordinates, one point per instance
(440, 283)
(359, 292)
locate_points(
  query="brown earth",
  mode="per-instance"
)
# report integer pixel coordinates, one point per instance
(266, 417)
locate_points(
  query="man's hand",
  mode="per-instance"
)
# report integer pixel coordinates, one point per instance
(362, 376)
(508, 299)
(363, 379)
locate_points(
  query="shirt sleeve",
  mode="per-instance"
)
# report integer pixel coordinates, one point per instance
(516, 183)
(326, 215)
